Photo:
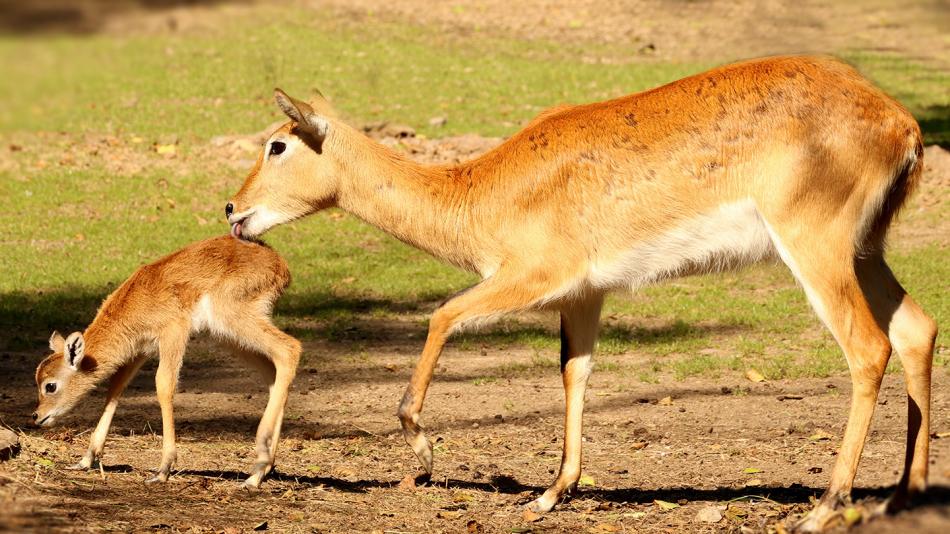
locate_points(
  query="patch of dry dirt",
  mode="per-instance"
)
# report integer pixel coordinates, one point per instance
(706, 30)
(342, 457)
(680, 30)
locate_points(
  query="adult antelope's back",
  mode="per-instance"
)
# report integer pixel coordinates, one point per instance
(798, 157)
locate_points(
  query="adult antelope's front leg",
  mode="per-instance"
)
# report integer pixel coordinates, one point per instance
(579, 323)
(117, 385)
(171, 349)
(496, 295)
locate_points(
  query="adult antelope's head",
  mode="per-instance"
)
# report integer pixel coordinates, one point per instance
(293, 177)
(63, 378)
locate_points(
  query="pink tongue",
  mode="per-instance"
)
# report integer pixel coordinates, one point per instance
(236, 230)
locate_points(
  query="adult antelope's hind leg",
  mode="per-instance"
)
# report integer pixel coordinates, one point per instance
(912, 334)
(171, 348)
(579, 324)
(826, 267)
(117, 385)
(499, 294)
(261, 336)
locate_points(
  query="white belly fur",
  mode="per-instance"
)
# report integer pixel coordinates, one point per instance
(202, 317)
(731, 236)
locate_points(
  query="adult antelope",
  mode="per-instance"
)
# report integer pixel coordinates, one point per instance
(798, 157)
(224, 286)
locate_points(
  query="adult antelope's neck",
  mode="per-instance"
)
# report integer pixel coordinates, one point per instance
(425, 206)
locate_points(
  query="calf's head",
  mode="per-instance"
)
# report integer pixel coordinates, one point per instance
(63, 378)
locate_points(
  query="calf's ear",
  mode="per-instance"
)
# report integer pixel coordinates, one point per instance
(75, 350)
(56, 342)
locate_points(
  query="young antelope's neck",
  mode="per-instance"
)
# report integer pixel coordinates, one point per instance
(424, 206)
(107, 343)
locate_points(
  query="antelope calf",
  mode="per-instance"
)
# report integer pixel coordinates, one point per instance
(224, 286)
(798, 158)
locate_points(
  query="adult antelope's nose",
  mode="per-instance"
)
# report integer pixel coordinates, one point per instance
(228, 210)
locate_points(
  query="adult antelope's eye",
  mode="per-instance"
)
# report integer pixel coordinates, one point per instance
(50, 388)
(276, 148)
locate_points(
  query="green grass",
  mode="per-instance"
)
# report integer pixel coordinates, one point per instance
(71, 233)
(220, 81)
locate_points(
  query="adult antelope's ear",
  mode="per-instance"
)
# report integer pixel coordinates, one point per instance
(75, 350)
(303, 114)
(56, 342)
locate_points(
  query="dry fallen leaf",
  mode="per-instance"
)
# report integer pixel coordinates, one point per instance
(753, 482)
(604, 527)
(530, 516)
(586, 480)
(666, 401)
(851, 516)
(639, 445)
(751, 470)
(165, 150)
(820, 435)
(408, 483)
(665, 505)
(754, 376)
(461, 496)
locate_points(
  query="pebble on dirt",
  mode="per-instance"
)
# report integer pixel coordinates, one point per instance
(709, 514)
(9, 444)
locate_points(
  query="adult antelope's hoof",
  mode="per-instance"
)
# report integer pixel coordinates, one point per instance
(423, 449)
(899, 501)
(815, 520)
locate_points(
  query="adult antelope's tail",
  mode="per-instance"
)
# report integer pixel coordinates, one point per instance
(906, 179)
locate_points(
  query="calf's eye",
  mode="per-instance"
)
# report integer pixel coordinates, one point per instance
(277, 147)
(51, 388)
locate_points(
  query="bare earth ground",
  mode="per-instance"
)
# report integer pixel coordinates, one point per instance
(342, 459)
(664, 29)
(685, 29)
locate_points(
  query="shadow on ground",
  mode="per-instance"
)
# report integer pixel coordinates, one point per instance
(794, 493)
(79, 16)
(28, 318)
(935, 124)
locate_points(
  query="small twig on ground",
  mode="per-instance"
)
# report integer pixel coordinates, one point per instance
(750, 497)
(367, 432)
